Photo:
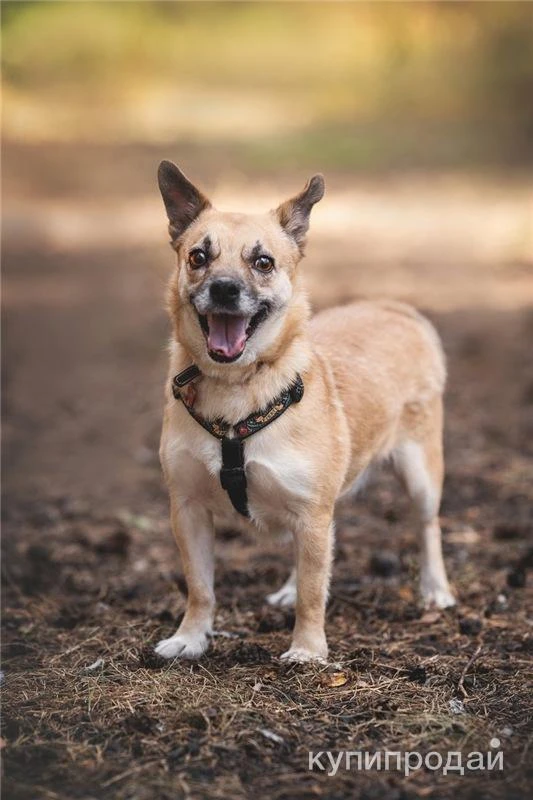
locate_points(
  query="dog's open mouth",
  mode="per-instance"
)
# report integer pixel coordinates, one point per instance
(227, 334)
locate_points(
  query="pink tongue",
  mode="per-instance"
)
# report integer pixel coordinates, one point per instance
(227, 334)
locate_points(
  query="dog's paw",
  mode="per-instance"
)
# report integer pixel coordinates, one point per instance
(299, 655)
(183, 646)
(283, 598)
(437, 597)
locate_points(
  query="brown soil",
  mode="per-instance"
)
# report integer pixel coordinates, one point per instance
(91, 573)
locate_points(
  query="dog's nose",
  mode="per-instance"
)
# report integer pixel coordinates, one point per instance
(224, 291)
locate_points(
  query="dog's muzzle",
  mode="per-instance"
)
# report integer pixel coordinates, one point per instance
(228, 315)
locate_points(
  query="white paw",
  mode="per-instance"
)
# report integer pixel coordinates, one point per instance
(437, 598)
(299, 655)
(284, 597)
(183, 646)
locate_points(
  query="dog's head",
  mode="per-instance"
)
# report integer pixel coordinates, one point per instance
(235, 279)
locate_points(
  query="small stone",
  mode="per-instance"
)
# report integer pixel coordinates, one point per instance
(470, 626)
(497, 606)
(501, 602)
(38, 553)
(384, 564)
(252, 654)
(456, 706)
(148, 659)
(516, 578)
(506, 532)
(391, 515)
(114, 542)
(417, 674)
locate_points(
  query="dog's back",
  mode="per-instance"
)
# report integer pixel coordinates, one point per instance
(388, 366)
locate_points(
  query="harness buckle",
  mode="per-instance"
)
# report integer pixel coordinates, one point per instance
(186, 376)
(233, 478)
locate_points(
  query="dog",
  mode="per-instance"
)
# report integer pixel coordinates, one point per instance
(270, 415)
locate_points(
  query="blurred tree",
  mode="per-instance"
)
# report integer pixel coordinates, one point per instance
(356, 83)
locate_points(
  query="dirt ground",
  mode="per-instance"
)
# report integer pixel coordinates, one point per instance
(91, 573)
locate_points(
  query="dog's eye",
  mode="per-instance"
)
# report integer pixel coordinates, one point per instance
(197, 259)
(264, 264)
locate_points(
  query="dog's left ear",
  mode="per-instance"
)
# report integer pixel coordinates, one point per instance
(183, 201)
(293, 215)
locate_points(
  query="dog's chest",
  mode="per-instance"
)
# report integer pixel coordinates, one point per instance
(280, 478)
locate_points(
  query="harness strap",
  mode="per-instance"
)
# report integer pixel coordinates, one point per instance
(232, 473)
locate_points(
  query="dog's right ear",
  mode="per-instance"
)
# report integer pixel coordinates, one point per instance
(183, 201)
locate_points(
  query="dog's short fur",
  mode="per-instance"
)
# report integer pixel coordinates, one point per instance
(374, 375)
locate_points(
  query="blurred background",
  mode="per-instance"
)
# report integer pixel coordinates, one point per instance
(420, 116)
(354, 85)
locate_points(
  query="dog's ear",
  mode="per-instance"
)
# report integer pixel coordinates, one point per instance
(183, 201)
(293, 215)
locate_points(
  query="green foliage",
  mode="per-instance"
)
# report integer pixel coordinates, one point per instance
(318, 68)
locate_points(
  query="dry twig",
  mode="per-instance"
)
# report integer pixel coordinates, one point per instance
(460, 685)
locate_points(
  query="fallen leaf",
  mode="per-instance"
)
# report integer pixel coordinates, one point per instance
(429, 617)
(493, 622)
(406, 593)
(424, 791)
(334, 679)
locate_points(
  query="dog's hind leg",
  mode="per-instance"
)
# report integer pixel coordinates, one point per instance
(193, 529)
(419, 464)
(286, 596)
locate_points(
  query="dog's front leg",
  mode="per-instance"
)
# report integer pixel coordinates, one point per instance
(313, 568)
(192, 526)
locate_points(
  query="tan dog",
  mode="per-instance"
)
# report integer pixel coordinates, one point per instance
(373, 375)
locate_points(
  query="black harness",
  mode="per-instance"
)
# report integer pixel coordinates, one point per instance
(232, 473)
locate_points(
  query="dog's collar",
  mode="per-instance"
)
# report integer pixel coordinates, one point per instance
(232, 474)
